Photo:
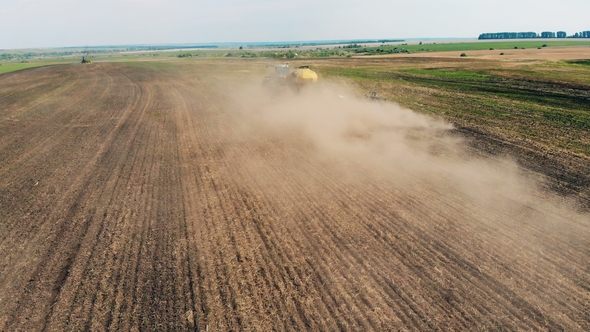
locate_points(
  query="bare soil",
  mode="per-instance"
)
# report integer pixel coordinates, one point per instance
(545, 53)
(136, 199)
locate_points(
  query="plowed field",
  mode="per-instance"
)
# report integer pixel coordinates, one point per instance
(141, 199)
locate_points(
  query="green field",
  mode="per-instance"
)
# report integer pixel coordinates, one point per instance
(545, 103)
(10, 67)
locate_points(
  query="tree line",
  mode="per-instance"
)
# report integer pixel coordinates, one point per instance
(527, 35)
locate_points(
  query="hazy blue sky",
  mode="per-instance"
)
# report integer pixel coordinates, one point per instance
(47, 23)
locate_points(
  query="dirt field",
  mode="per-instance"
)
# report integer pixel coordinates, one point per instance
(549, 53)
(141, 199)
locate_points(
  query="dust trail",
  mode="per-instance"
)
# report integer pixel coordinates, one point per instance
(382, 137)
(335, 146)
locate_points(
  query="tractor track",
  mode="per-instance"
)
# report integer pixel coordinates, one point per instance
(133, 199)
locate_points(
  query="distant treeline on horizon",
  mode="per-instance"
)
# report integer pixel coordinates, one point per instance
(169, 47)
(526, 35)
(321, 43)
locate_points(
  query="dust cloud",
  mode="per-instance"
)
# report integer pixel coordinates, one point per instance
(328, 155)
(382, 137)
(359, 138)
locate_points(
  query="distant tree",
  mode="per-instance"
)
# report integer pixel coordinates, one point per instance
(241, 47)
(561, 34)
(508, 35)
(463, 54)
(547, 34)
(352, 46)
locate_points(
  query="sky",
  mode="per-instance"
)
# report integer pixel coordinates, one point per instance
(59, 23)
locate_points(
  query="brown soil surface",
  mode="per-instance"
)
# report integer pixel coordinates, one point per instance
(545, 53)
(134, 199)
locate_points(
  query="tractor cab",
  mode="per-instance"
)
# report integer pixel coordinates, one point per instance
(282, 71)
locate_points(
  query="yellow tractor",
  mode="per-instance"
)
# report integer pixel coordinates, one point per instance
(297, 79)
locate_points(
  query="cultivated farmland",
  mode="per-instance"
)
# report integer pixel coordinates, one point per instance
(181, 196)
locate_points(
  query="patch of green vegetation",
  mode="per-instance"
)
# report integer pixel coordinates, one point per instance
(449, 73)
(584, 62)
(580, 120)
(534, 92)
(357, 73)
(551, 71)
(542, 102)
(411, 75)
(11, 66)
(153, 65)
